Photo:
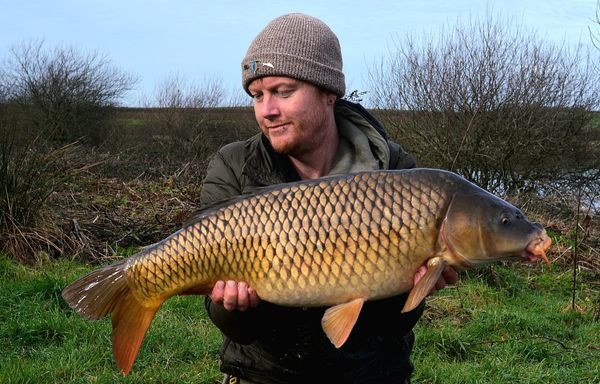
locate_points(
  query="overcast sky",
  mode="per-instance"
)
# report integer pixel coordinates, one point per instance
(205, 40)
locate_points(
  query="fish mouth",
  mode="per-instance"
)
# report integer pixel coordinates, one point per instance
(536, 248)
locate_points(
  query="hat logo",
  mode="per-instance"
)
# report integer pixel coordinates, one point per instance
(255, 67)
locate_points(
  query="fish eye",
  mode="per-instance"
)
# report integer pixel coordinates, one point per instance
(505, 220)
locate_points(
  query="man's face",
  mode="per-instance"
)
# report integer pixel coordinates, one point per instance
(290, 112)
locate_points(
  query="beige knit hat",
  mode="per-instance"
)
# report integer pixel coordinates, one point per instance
(298, 46)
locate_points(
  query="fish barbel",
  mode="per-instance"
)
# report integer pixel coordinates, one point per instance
(335, 242)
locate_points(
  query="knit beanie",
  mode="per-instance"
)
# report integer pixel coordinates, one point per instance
(298, 46)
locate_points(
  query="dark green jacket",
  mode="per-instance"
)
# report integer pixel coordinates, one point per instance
(275, 344)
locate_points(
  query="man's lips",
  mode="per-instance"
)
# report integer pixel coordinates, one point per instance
(280, 128)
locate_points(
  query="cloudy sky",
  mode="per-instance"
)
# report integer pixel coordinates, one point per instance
(206, 40)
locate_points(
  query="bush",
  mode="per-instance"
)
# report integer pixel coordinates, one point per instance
(64, 94)
(30, 171)
(492, 102)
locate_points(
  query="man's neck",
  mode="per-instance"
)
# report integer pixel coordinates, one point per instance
(319, 162)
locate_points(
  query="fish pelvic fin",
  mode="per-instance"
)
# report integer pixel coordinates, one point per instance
(338, 321)
(435, 266)
(104, 292)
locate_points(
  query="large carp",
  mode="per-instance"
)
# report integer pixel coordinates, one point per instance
(336, 241)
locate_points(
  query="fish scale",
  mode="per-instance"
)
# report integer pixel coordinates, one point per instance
(294, 238)
(333, 242)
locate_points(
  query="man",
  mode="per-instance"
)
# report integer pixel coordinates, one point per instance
(293, 71)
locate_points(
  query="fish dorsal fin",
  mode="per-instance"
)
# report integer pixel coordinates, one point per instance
(435, 266)
(339, 320)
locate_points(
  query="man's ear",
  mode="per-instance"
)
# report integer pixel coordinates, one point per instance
(331, 98)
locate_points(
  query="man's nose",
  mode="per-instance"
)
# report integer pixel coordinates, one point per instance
(269, 107)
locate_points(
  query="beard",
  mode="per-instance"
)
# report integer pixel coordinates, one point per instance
(296, 144)
(300, 139)
(288, 148)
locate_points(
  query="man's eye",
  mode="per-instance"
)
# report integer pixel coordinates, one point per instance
(284, 93)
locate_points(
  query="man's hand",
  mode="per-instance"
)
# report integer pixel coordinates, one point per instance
(448, 276)
(234, 295)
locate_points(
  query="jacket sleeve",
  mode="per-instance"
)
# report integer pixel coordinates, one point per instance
(222, 179)
(241, 327)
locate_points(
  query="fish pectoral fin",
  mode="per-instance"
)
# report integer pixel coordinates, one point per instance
(435, 266)
(130, 322)
(338, 321)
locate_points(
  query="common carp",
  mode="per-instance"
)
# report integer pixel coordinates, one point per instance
(335, 242)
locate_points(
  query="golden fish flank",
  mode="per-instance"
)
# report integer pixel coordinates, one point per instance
(333, 242)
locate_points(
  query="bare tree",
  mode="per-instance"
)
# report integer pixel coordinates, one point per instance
(3, 89)
(175, 99)
(595, 32)
(175, 92)
(238, 98)
(181, 124)
(63, 92)
(181, 109)
(492, 102)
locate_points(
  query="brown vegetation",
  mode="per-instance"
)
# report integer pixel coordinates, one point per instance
(136, 188)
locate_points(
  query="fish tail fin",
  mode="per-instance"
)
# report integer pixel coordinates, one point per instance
(106, 291)
(130, 322)
(96, 294)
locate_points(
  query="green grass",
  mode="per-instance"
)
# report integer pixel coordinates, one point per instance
(512, 325)
(507, 325)
(43, 341)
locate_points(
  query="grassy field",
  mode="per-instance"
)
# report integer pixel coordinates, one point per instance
(505, 324)
(43, 341)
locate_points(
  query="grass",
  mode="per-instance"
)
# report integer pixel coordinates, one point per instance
(499, 325)
(517, 328)
(43, 341)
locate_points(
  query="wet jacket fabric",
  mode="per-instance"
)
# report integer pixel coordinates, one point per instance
(276, 344)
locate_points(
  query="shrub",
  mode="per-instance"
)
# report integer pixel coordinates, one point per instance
(30, 171)
(492, 102)
(65, 94)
